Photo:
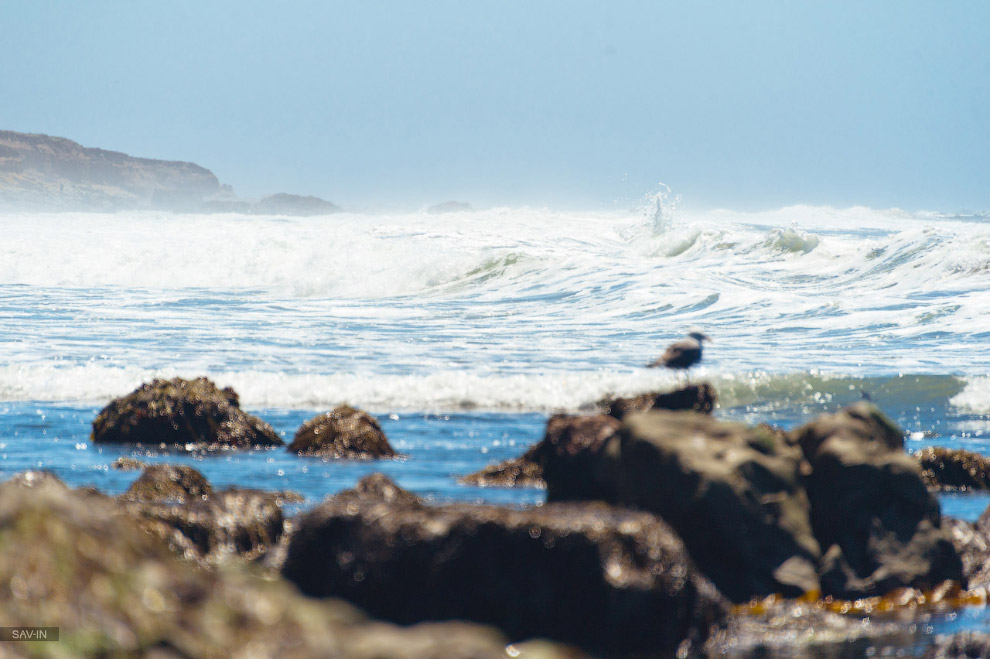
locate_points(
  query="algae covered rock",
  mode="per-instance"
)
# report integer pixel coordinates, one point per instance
(605, 578)
(344, 432)
(522, 471)
(878, 525)
(165, 482)
(69, 560)
(733, 493)
(192, 414)
(953, 469)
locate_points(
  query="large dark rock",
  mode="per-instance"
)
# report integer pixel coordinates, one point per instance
(733, 494)
(697, 398)
(70, 560)
(953, 469)
(178, 413)
(972, 542)
(878, 526)
(575, 464)
(344, 432)
(608, 579)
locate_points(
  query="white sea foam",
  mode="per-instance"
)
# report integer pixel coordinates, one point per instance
(505, 308)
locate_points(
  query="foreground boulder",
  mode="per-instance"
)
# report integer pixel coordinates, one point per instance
(69, 560)
(733, 493)
(878, 525)
(605, 578)
(696, 398)
(953, 469)
(190, 414)
(344, 432)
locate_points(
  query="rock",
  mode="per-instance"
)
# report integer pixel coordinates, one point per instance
(41, 172)
(522, 471)
(608, 579)
(164, 482)
(191, 414)
(377, 487)
(41, 478)
(791, 628)
(128, 464)
(699, 398)
(449, 207)
(575, 464)
(961, 645)
(733, 494)
(972, 543)
(291, 204)
(232, 522)
(878, 526)
(953, 469)
(344, 432)
(68, 560)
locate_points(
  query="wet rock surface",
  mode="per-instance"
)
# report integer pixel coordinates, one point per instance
(188, 414)
(165, 482)
(697, 398)
(69, 560)
(128, 464)
(878, 525)
(602, 577)
(961, 645)
(953, 469)
(343, 433)
(523, 471)
(575, 462)
(733, 493)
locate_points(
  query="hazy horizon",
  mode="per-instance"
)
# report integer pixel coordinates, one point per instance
(566, 105)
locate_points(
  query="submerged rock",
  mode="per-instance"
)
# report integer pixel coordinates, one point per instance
(697, 398)
(953, 469)
(128, 464)
(608, 579)
(164, 482)
(69, 560)
(344, 432)
(191, 414)
(878, 525)
(523, 471)
(733, 493)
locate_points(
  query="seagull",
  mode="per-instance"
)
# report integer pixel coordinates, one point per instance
(683, 353)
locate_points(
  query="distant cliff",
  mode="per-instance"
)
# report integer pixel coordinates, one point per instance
(41, 172)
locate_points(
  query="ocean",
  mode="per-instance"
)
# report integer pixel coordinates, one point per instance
(463, 331)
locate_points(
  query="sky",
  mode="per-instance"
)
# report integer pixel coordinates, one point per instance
(372, 103)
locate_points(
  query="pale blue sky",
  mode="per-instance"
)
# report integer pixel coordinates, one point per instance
(573, 104)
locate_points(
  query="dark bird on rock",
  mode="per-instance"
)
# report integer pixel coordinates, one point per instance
(682, 354)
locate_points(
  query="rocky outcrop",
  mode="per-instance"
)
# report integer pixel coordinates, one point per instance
(878, 526)
(344, 432)
(972, 542)
(953, 469)
(68, 560)
(128, 464)
(733, 493)
(193, 415)
(697, 398)
(290, 204)
(574, 459)
(42, 172)
(608, 579)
